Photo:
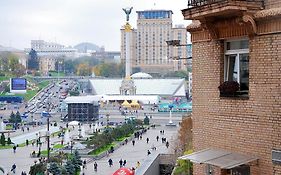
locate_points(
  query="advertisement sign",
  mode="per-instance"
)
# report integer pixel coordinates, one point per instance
(18, 85)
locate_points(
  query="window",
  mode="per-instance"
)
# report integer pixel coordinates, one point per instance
(236, 63)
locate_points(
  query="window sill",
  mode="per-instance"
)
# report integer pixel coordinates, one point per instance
(237, 95)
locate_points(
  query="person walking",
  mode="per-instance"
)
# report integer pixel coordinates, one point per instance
(14, 148)
(147, 140)
(85, 164)
(138, 164)
(148, 152)
(157, 138)
(121, 163)
(95, 167)
(167, 144)
(13, 169)
(133, 142)
(124, 163)
(110, 162)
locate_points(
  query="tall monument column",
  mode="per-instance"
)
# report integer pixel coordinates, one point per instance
(128, 86)
(128, 35)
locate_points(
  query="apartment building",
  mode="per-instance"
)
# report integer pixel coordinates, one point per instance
(236, 41)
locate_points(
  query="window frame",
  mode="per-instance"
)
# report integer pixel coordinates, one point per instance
(237, 53)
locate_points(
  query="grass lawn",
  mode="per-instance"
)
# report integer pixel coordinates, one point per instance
(101, 149)
(58, 146)
(122, 138)
(31, 93)
(11, 146)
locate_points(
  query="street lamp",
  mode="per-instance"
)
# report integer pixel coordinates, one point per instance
(170, 118)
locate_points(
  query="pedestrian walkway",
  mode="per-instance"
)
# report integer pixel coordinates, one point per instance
(32, 135)
(133, 154)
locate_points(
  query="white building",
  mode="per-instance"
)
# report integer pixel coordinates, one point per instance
(44, 48)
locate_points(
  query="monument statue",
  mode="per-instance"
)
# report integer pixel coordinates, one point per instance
(128, 12)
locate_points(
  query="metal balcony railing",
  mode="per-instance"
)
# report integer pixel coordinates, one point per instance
(198, 3)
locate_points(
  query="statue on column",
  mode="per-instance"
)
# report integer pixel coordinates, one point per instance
(128, 12)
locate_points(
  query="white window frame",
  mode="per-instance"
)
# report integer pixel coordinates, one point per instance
(236, 52)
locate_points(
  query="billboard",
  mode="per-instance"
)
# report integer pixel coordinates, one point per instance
(18, 85)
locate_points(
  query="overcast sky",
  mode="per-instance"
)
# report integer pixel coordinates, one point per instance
(70, 22)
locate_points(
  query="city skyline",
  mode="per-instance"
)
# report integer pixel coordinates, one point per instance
(95, 21)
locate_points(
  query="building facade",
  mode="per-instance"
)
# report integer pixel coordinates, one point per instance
(235, 40)
(44, 48)
(149, 50)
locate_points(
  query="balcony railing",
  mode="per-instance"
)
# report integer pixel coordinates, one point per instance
(198, 3)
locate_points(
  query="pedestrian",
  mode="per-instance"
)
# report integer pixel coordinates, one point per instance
(126, 140)
(32, 142)
(14, 148)
(167, 144)
(138, 164)
(110, 162)
(27, 130)
(147, 140)
(95, 166)
(124, 163)
(121, 163)
(163, 131)
(13, 169)
(133, 142)
(26, 142)
(85, 164)
(157, 138)
(148, 152)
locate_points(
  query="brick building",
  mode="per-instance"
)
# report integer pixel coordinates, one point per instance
(236, 40)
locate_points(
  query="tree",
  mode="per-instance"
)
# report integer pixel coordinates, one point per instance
(15, 118)
(18, 117)
(83, 69)
(13, 61)
(33, 61)
(2, 140)
(70, 169)
(146, 120)
(9, 141)
(55, 168)
(76, 160)
(38, 169)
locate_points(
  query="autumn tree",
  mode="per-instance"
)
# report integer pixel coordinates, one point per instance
(83, 69)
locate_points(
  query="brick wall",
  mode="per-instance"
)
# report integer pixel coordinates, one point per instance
(250, 126)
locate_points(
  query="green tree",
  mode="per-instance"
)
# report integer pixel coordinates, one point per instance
(9, 141)
(18, 117)
(33, 61)
(55, 168)
(13, 62)
(2, 140)
(12, 118)
(83, 69)
(37, 169)
(76, 160)
(146, 120)
(70, 168)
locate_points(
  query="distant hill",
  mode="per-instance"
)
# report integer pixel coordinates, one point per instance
(8, 49)
(83, 47)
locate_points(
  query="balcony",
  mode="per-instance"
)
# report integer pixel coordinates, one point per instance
(209, 9)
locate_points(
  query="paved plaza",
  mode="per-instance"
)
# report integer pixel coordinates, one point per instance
(128, 152)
